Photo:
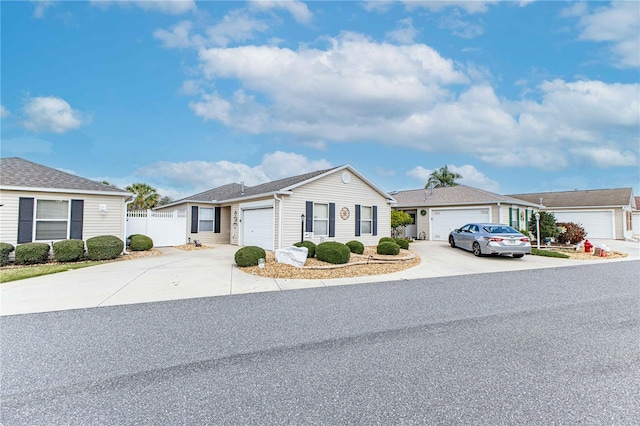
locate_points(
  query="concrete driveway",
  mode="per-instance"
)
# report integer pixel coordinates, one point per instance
(181, 274)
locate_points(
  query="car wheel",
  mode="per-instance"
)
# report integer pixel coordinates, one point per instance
(452, 243)
(518, 256)
(476, 249)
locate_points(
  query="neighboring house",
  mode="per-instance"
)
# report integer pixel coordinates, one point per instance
(438, 211)
(604, 213)
(338, 204)
(635, 225)
(41, 204)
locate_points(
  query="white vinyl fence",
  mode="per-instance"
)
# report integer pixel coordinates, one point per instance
(164, 228)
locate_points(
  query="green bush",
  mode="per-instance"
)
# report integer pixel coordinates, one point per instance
(388, 247)
(140, 242)
(310, 245)
(68, 250)
(355, 246)
(5, 249)
(32, 253)
(386, 239)
(333, 252)
(403, 243)
(104, 247)
(249, 255)
(572, 233)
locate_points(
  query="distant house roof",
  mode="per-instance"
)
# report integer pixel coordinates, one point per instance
(234, 191)
(453, 195)
(582, 198)
(637, 203)
(17, 173)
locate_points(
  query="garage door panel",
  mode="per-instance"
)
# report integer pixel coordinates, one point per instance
(597, 224)
(444, 221)
(258, 228)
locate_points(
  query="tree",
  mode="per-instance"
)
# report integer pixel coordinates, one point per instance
(165, 200)
(443, 177)
(146, 196)
(399, 219)
(548, 226)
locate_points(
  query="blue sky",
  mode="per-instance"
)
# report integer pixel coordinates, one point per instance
(188, 95)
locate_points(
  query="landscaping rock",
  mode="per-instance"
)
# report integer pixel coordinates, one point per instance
(296, 256)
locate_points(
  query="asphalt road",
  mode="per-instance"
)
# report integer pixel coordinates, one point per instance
(552, 346)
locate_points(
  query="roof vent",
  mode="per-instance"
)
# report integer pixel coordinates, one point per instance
(241, 188)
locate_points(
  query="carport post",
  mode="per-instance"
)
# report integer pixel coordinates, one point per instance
(538, 229)
(301, 227)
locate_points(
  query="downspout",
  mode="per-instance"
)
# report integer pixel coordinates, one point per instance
(499, 213)
(275, 196)
(126, 209)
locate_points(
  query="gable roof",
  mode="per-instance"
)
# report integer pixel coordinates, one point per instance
(453, 195)
(233, 191)
(581, 198)
(19, 174)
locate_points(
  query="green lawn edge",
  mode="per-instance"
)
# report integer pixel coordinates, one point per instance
(15, 274)
(549, 253)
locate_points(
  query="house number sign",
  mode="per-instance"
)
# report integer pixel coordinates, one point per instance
(344, 213)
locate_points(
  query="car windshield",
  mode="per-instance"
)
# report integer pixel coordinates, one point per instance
(500, 229)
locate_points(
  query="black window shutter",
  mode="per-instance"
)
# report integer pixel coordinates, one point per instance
(309, 213)
(77, 215)
(216, 221)
(357, 220)
(332, 219)
(25, 220)
(510, 216)
(374, 225)
(194, 219)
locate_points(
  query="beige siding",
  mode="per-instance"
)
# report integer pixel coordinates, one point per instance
(209, 237)
(423, 223)
(94, 223)
(236, 217)
(331, 189)
(620, 223)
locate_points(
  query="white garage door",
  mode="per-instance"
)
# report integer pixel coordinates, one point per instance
(257, 226)
(598, 224)
(445, 221)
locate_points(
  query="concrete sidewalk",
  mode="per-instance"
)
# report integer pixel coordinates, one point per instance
(181, 274)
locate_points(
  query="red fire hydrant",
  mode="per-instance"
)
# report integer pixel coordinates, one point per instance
(587, 246)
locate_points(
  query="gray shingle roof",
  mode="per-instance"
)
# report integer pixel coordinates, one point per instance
(17, 172)
(582, 198)
(234, 190)
(452, 195)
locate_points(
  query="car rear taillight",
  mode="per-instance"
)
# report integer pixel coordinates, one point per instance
(496, 239)
(524, 240)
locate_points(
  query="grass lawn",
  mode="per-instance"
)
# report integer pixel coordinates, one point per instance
(549, 253)
(14, 274)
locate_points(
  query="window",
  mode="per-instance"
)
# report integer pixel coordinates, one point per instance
(321, 219)
(366, 220)
(52, 220)
(205, 222)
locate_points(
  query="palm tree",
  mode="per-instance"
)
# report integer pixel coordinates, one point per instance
(443, 177)
(146, 196)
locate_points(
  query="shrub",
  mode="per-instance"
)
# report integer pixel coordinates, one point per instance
(310, 245)
(403, 243)
(548, 226)
(571, 233)
(104, 247)
(140, 242)
(388, 247)
(68, 250)
(5, 249)
(333, 252)
(32, 253)
(249, 255)
(355, 246)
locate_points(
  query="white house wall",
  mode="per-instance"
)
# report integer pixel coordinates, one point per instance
(94, 223)
(331, 189)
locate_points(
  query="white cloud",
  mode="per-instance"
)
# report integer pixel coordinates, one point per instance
(606, 156)
(171, 7)
(297, 9)
(461, 27)
(41, 7)
(234, 27)
(470, 176)
(438, 6)
(186, 178)
(617, 24)
(51, 114)
(4, 112)
(178, 37)
(405, 33)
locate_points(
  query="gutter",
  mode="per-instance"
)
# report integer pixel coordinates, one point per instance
(275, 196)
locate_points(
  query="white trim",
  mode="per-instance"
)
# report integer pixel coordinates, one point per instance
(62, 190)
(36, 220)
